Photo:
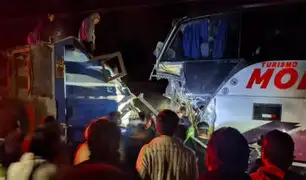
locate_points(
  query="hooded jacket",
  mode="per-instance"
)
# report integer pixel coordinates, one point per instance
(23, 169)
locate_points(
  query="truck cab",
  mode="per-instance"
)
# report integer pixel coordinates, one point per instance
(244, 68)
(62, 80)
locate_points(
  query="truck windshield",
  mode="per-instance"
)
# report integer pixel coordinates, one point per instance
(255, 35)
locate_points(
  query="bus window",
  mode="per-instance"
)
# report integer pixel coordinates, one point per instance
(274, 33)
(216, 37)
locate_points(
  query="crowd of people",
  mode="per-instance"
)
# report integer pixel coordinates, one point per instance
(150, 148)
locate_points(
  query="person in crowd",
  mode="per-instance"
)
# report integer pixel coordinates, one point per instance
(103, 143)
(184, 117)
(136, 122)
(37, 163)
(63, 155)
(166, 157)
(96, 172)
(53, 29)
(12, 147)
(255, 161)
(43, 30)
(139, 133)
(181, 132)
(48, 120)
(82, 152)
(198, 143)
(87, 31)
(115, 117)
(227, 156)
(153, 122)
(148, 128)
(277, 156)
(33, 37)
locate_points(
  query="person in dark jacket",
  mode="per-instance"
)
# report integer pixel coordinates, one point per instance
(198, 143)
(103, 148)
(138, 134)
(103, 144)
(115, 117)
(277, 156)
(45, 30)
(87, 31)
(181, 132)
(184, 117)
(227, 156)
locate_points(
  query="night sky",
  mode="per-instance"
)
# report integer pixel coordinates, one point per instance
(132, 27)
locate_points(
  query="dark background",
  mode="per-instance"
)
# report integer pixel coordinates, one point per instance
(130, 26)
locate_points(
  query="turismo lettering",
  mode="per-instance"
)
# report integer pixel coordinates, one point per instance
(279, 64)
(263, 78)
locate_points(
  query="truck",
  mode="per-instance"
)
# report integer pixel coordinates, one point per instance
(244, 68)
(62, 80)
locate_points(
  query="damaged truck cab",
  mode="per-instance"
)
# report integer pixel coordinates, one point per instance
(244, 68)
(61, 80)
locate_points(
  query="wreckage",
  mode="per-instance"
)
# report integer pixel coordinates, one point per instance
(62, 80)
(244, 68)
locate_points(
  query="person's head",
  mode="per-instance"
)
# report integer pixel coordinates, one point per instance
(227, 150)
(183, 111)
(153, 117)
(278, 149)
(115, 117)
(202, 129)
(44, 142)
(144, 117)
(95, 17)
(49, 120)
(103, 141)
(167, 122)
(86, 132)
(51, 123)
(181, 132)
(51, 17)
